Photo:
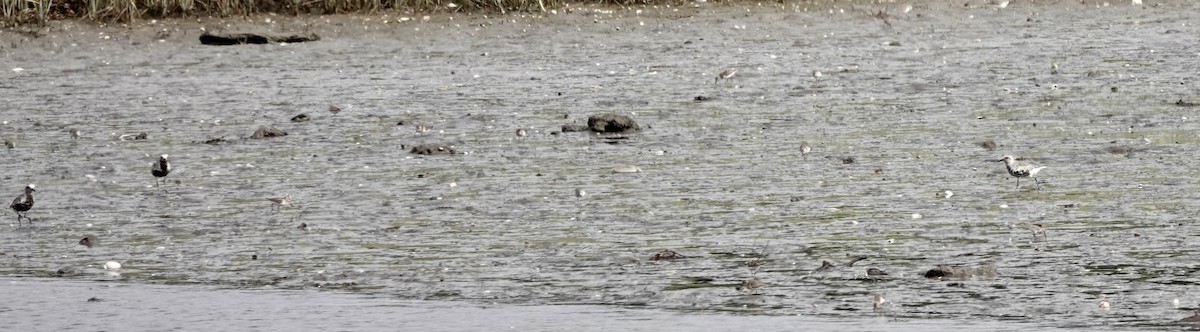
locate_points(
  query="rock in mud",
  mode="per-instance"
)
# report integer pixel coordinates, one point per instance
(612, 123)
(961, 272)
(268, 132)
(666, 255)
(215, 141)
(222, 39)
(432, 149)
(300, 118)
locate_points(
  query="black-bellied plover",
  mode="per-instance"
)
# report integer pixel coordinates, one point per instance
(725, 74)
(334, 109)
(804, 150)
(22, 204)
(161, 169)
(1019, 169)
(280, 201)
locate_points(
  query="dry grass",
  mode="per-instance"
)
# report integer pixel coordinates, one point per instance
(21, 12)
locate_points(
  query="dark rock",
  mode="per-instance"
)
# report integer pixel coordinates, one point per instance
(612, 123)
(215, 141)
(961, 272)
(848, 160)
(432, 149)
(268, 132)
(666, 255)
(300, 118)
(209, 38)
(701, 98)
(988, 145)
(573, 127)
(94, 299)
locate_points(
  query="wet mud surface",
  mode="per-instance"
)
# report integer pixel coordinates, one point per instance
(720, 179)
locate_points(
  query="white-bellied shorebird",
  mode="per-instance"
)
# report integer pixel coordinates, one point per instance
(521, 133)
(161, 169)
(752, 285)
(334, 109)
(280, 202)
(725, 74)
(1019, 169)
(22, 204)
(879, 301)
(804, 150)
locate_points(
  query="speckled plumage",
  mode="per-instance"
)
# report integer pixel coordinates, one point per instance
(1019, 169)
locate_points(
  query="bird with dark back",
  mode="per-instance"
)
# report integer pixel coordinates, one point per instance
(161, 169)
(23, 204)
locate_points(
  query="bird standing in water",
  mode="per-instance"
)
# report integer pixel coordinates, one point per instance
(280, 201)
(725, 74)
(23, 203)
(161, 169)
(1020, 169)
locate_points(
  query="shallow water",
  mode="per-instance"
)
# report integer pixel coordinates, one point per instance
(722, 180)
(58, 305)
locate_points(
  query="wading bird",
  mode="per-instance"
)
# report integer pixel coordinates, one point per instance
(22, 204)
(1020, 169)
(161, 169)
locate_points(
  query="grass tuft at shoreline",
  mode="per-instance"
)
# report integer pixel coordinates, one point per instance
(33, 12)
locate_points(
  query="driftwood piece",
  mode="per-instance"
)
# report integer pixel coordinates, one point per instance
(209, 38)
